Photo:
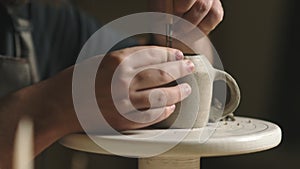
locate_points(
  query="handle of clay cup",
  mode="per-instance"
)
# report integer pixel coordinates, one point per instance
(235, 95)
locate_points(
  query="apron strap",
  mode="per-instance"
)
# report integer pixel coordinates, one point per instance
(24, 43)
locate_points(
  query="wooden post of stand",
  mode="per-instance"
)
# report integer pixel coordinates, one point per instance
(169, 163)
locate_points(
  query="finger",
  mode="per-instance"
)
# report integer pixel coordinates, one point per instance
(154, 76)
(213, 18)
(195, 15)
(198, 11)
(140, 119)
(182, 6)
(151, 56)
(160, 97)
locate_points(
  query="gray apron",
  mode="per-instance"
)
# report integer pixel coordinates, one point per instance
(19, 70)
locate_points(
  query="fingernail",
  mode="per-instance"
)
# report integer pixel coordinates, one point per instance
(186, 89)
(172, 108)
(190, 66)
(179, 55)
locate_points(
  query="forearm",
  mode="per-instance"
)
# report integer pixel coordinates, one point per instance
(42, 105)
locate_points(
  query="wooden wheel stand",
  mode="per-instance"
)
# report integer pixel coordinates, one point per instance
(245, 135)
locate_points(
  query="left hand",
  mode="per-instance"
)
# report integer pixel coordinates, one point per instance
(206, 14)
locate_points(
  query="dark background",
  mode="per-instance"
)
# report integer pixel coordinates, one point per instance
(258, 42)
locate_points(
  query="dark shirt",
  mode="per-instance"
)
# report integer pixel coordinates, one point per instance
(58, 31)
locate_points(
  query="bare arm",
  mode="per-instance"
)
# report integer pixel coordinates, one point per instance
(38, 103)
(49, 103)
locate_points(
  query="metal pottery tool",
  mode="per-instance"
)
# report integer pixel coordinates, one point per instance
(169, 23)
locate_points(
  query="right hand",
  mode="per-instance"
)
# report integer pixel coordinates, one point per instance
(205, 14)
(142, 72)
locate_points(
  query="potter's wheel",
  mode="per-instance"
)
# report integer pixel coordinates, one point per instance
(245, 135)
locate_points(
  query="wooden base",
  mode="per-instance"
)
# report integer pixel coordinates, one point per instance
(170, 163)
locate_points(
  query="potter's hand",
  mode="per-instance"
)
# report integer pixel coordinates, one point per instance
(206, 14)
(50, 106)
(141, 72)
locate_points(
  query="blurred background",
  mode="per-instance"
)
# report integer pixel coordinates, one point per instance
(258, 42)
